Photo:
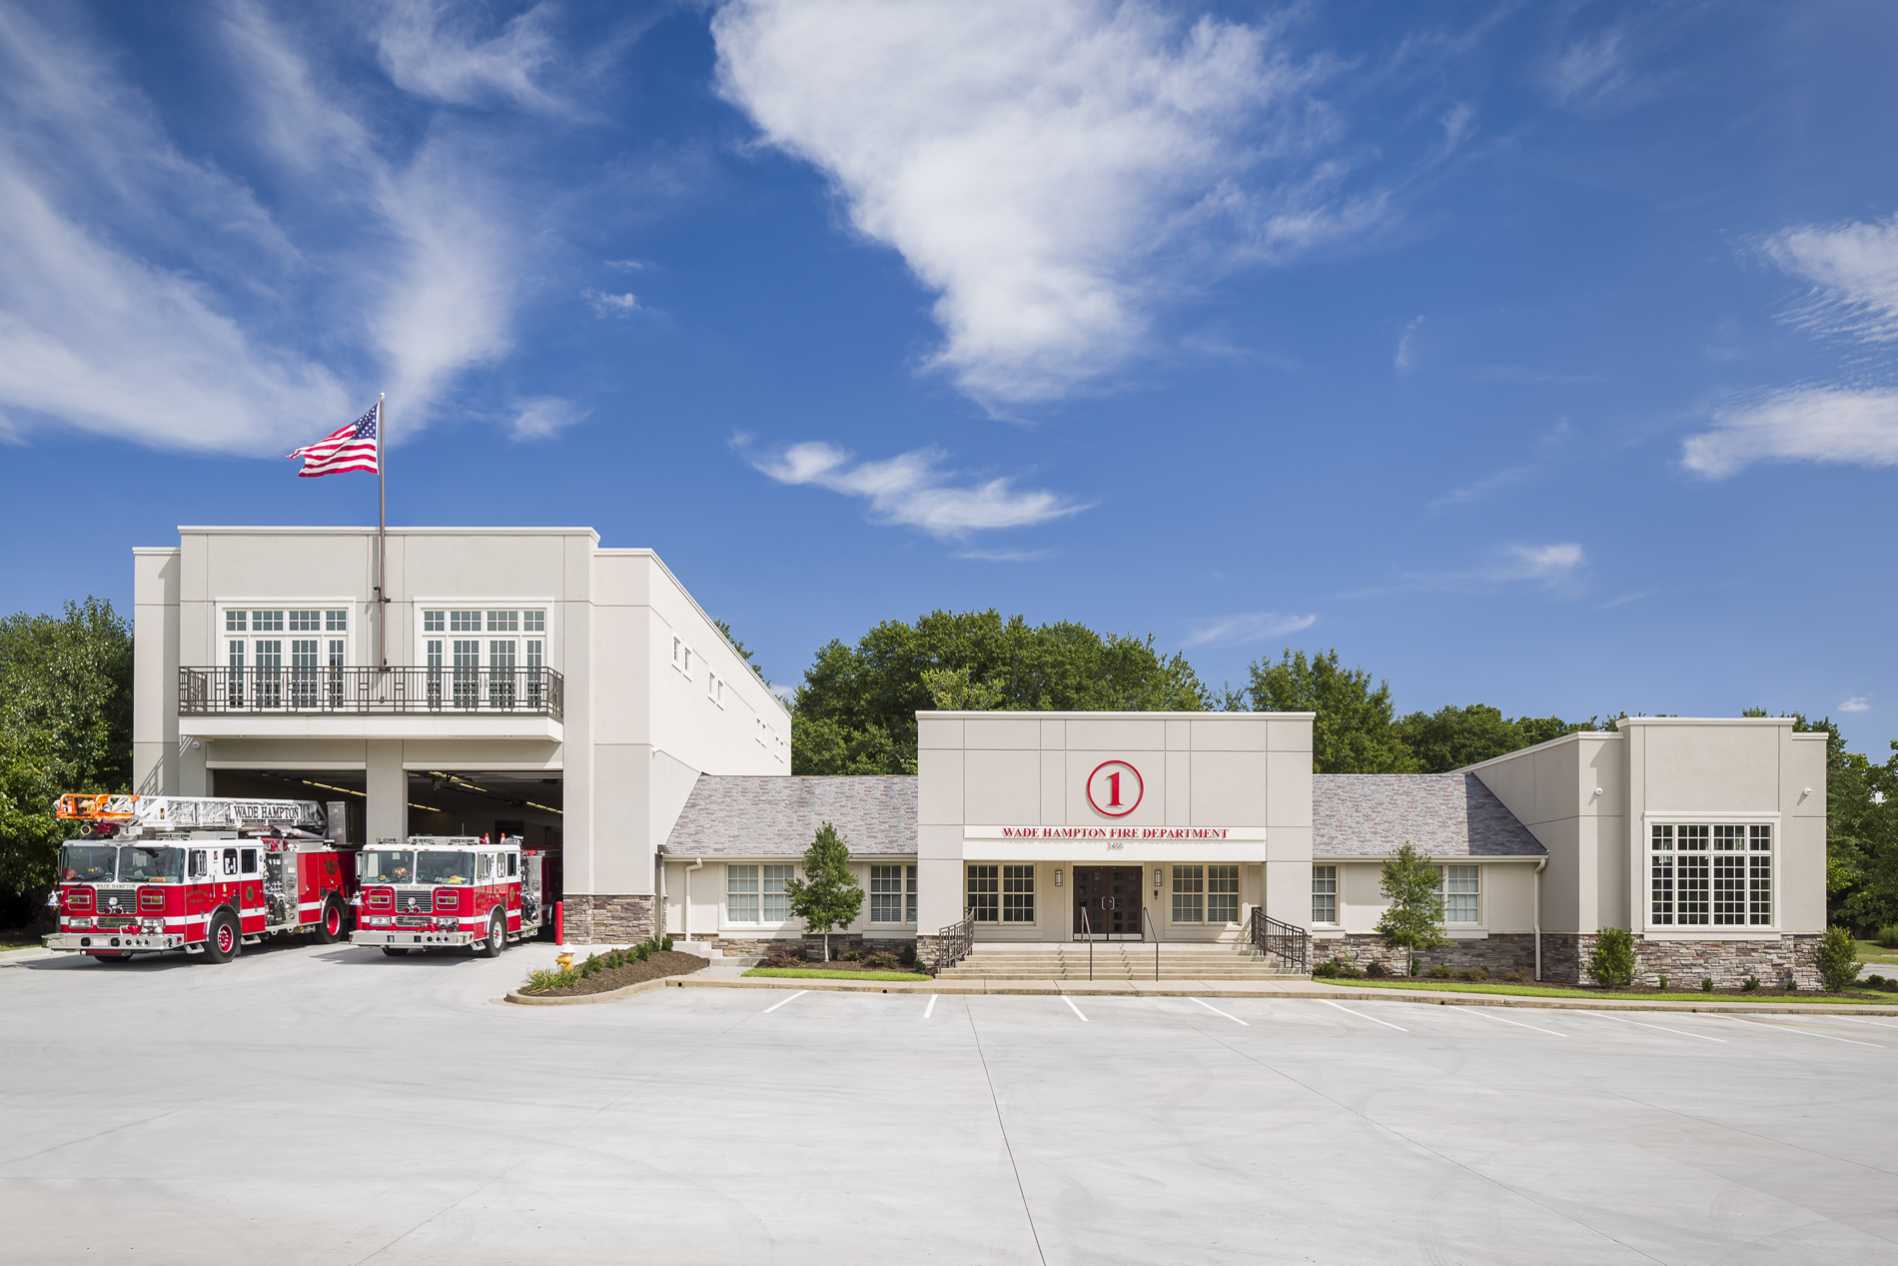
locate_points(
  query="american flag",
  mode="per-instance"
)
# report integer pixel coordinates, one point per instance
(352, 447)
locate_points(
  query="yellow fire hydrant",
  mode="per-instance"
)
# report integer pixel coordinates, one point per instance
(564, 962)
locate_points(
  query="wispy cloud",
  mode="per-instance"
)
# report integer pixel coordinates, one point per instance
(543, 417)
(1004, 555)
(436, 50)
(1550, 441)
(914, 489)
(1852, 268)
(1459, 124)
(1557, 566)
(1856, 703)
(1054, 171)
(606, 304)
(1625, 599)
(1530, 376)
(1246, 627)
(1406, 358)
(1591, 72)
(1837, 425)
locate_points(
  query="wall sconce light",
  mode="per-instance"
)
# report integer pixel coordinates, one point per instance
(1596, 795)
(1156, 880)
(1057, 876)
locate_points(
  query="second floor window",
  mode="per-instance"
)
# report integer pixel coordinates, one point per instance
(480, 658)
(284, 657)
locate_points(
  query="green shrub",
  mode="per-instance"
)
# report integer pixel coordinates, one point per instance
(1660, 981)
(1838, 960)
(1376, 968)
(665, 942)
(1335, 968)
(1611, 962)
(1476, 975)
(1751, 984)
(1439, 971)
(1888, 936)
(1706, 984)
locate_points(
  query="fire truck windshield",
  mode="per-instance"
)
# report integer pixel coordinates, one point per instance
(138, 864)
(386, 866)
(445, 868)
(88, 863)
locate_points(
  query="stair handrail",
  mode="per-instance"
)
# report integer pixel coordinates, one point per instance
(954, 942)
(1147, 920)
(1087, 934)
(1275, 937)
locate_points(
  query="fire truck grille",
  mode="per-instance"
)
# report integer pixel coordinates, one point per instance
(115, 900)
(414, 900)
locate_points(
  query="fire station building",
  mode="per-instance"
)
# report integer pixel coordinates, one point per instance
(540, 684)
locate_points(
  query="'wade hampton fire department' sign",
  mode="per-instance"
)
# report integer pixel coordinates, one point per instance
(1118, 833)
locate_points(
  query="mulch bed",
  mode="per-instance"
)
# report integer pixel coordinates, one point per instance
(664, 963)
(835, 964)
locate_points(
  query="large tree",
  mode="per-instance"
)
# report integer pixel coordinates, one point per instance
(856, 711)
(65, 725)
(1452, 737)
(1353, 732)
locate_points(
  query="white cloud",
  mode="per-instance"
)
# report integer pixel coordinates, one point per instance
(1856, 703)
(1246, 627)
(1843, 425)
(1459, 124)
(605, 304)
(1625, 600)
(912, 489)
(1853, 271)
(1539, 562)
(543, 417)
(1003, 555)
(1405, 359)
(433, 50)
(628, 265)
(1481, 487)
(1591, 72)
(1054, 171)
(1556, 566)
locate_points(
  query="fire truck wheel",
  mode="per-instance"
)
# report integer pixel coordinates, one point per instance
(329, 928)
(222, 942)
(497, 935)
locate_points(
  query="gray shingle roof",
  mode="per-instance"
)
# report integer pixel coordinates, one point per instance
(1443, 815)
(775, 815)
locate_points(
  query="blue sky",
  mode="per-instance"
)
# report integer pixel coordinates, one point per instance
(1538, 355)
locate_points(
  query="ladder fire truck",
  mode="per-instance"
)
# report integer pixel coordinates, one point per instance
(440, 891)
(204, 874)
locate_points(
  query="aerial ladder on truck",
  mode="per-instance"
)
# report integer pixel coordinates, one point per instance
(205, 874)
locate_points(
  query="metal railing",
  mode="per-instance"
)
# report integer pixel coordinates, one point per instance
(953, 943)
(1153, 934)
(360, 690)
(1087, 934)
(1275, 938)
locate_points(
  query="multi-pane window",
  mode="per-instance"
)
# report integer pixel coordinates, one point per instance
(285, 656)
(892, 894)
(1324, 894)
(1189, 894)
(1018, 894)
(484, 658)
(1461, 894)
(985, 892)
(1717, 874)
(1222, 894)
(756, 893)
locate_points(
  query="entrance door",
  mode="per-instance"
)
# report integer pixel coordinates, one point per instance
(1111, 897)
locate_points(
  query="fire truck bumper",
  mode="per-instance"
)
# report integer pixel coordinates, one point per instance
(94, 942)
(413, 938)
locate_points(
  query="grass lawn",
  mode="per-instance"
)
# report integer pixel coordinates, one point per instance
(6, 945)
(1873, 952)
(833, 973)
(1851, 997)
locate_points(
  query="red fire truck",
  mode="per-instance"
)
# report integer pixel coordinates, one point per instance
(441, 891)
(207, 875)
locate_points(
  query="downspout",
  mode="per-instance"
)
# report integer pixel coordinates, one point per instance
(1540, 867)
(687, 913)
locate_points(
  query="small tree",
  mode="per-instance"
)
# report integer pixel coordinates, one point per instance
(1611, 962)
(1838, 960)
(828, 896)
(1414, 919)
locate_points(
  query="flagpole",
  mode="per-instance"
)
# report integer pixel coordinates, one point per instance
(382, 539)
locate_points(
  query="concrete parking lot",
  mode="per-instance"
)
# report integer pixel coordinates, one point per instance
(305, 1104)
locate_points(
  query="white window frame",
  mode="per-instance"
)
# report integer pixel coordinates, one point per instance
(763, 875)
(484, 638)
(326, 689)
(1672, 928)
(1444, 893)
(904, 894)
(991, 889)
(1327, 872)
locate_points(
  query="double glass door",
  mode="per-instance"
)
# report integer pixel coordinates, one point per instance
(1109, 898)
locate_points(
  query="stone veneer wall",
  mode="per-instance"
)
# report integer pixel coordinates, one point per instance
(1503, 954)
(604, 919)
(1687, 963)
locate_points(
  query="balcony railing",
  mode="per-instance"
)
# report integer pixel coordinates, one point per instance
(365, 691)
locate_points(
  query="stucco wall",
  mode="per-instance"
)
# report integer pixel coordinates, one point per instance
(1505, 897)
(1552, 789)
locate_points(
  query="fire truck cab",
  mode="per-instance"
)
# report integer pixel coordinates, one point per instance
(164, 876)
(446, 891)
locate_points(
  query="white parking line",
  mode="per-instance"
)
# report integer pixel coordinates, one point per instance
(780, 1002)
(1787, 1028)
(1622, 1019)
(1502, 1019)
(1360, 1015)
(1866, 1019)
(1073, 1008)
(931, 1008)
(1216, 1011)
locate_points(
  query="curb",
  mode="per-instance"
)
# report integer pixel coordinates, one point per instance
(584, 999)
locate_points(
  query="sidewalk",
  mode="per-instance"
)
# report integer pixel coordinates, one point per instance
(730, 975)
